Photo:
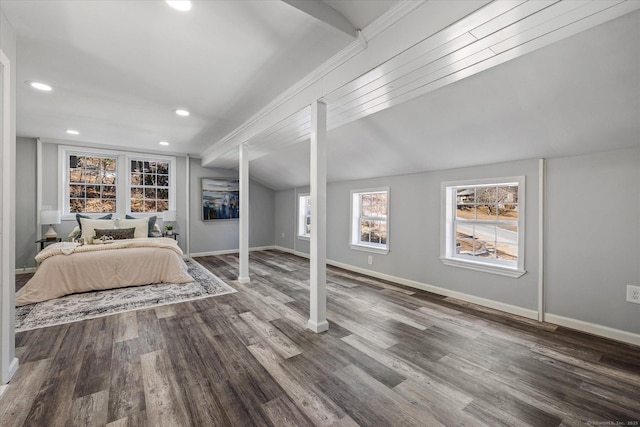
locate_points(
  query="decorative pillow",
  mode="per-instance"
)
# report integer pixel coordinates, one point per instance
(89, 225)
(74, 233)
(116, 233)
(80, 216)
(152, 222)
(141, 225)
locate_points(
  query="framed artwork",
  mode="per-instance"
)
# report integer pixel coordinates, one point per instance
(220, 198)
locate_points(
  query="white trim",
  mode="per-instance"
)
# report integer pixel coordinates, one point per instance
(541, 231)
(354, 231)
(39, 188)
(594, 329)
(447, 252)
(485, 268)
(123, 178)
(8, 361)
(26, 270)
(497, 305)
(372, 249)
(231, 251)
(173, 171)
(187, 209)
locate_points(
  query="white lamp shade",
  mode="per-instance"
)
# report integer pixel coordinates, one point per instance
(50, 217)
(169, 215)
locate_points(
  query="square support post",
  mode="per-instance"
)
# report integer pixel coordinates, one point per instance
(243, 274)
(318, 242)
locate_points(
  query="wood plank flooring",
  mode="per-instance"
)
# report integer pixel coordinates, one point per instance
(393, 356)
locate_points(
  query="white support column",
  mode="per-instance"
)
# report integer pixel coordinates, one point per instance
(243, 275)
(318, 242)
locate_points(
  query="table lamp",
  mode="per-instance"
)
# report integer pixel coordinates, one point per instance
(50, 217)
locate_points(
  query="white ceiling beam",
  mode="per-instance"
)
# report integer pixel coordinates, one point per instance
(326, 14)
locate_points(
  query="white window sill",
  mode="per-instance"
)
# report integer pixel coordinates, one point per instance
(307, 238)
(486, 268)
(373, 249)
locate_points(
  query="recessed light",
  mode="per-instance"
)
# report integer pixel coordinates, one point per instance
(39, 85)
(181, 112)
(73, 132)
(163, 143)
(182, 5)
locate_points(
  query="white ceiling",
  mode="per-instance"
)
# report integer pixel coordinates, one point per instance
(119, 69)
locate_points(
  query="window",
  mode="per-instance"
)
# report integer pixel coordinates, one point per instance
(370, 215)
(149, 185)
(483, 227)
(101, 181)
(304, 216)
(92, 183)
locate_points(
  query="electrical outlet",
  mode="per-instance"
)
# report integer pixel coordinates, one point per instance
(370, 260)
(283, 235)
(633, 294)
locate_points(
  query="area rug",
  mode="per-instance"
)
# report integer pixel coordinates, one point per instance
(89, 305)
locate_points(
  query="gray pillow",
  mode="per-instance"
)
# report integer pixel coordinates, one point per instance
(152, 222)
(78, 216)
(117, 233)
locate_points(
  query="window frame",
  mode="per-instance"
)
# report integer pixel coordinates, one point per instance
(448, 227)
(356, 217)
(302, 217)
(150, 158)
(123, 179)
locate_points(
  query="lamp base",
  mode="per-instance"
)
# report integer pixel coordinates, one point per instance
(51, 233)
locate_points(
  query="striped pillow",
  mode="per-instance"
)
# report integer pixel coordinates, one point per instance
(116, 233)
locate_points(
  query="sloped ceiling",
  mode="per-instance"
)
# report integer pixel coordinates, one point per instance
(576, 96)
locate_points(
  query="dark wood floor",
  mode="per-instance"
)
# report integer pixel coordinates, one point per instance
(392, 357)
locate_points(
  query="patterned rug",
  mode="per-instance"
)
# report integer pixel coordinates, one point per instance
(89, 305)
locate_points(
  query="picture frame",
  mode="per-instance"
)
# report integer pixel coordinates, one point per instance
(220, 199)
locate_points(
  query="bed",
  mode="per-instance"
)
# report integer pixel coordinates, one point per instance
(69, 268)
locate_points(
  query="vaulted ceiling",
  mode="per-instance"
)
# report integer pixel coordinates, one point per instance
(119, 72)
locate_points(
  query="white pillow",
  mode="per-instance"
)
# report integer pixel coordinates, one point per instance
(141, 225)
(75, 232)
(89, 226)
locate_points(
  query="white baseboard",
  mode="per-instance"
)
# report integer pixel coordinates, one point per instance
(593, 328)
(508, 308)
(26, 270)
(230, 251)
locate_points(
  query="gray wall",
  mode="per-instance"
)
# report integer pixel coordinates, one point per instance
(593, 238)
(26, 218)
(414, 232)
(211, 236)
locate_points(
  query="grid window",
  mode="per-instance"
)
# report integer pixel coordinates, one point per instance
(149, 185)
(370, 213)
(304, 216)
(484, 223)
(92, 183)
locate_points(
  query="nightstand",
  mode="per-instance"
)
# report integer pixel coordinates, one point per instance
(174, 235)
(45, 242)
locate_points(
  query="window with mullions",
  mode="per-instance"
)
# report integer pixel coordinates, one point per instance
(92, 183)
(149, 185)
(304, 216)
(484, 225)
(369, 226)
